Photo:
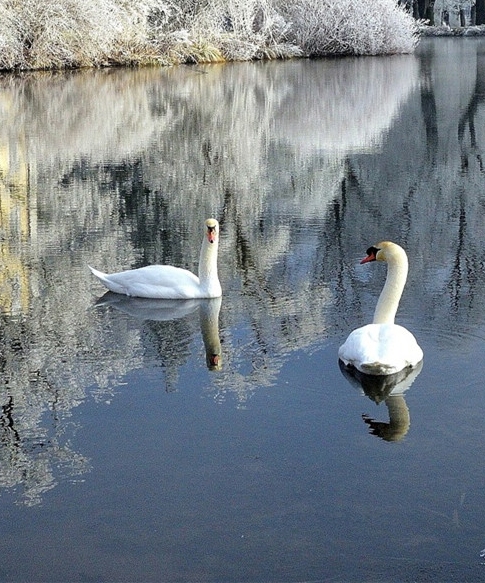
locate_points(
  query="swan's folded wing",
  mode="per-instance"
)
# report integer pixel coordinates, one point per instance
(153, 281)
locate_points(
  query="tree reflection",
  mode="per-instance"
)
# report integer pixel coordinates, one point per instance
(33, 456)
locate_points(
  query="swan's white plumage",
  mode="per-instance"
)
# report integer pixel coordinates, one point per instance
(169, 282)
(383, 348)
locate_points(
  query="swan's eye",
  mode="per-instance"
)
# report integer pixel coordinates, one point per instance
(372, 251)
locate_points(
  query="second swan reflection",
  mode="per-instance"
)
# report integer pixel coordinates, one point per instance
(390, 389)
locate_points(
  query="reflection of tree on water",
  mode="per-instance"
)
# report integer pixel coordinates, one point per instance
(390, 390)
(34, 460)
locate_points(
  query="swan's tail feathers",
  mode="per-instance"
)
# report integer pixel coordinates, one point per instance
(99, 274)
(106, 281)
(96, 272)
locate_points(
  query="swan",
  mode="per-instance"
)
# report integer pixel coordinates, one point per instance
(384, 348)
(168, 282)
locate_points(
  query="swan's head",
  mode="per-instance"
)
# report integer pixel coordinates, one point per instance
(212, 227)
(384, 251)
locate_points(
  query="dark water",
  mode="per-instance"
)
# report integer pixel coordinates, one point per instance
(123, 456)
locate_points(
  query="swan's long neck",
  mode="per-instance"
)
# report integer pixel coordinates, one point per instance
(397, 272)
(208, 263)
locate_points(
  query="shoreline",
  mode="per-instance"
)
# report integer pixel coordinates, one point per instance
(445, 30)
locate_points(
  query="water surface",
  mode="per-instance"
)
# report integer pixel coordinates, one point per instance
(126, 455)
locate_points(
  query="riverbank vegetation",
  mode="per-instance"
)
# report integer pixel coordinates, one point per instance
(41, 34)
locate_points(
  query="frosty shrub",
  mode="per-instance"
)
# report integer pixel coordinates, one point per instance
(38, 34)
(355, 27)
(244, 29)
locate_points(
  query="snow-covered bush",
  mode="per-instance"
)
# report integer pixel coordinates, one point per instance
(244, 29)
(43, 34)
(357, 27)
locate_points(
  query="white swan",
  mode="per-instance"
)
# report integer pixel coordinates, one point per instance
(384, 348)
(168, 282)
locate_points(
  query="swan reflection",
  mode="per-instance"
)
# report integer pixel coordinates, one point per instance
(389, 389)
(166, 310)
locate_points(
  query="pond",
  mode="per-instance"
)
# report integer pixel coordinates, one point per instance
(126, 453)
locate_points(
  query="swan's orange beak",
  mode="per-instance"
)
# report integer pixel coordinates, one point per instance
(211, 234)
(370, 257)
